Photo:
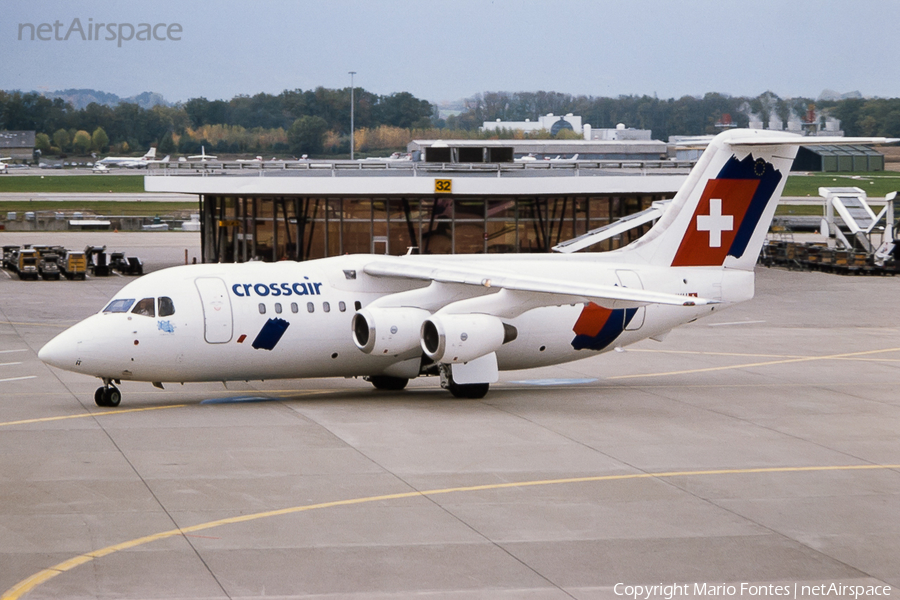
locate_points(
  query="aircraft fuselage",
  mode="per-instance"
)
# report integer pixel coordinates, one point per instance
(257, 321)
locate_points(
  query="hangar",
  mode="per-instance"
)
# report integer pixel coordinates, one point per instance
(286, 210)
(832, 159)
(17, 144)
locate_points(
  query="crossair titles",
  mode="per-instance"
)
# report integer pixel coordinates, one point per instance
(302, 288)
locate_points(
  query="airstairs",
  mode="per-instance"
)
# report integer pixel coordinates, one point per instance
(862, 228)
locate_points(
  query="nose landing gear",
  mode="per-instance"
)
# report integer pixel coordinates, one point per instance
(108, 395)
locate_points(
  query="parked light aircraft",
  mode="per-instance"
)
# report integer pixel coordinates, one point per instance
(3, 165)
(203, 156)
(130, 162)
(465, 318)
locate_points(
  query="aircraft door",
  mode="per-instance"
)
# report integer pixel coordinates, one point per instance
(217, 318)
(631, 279)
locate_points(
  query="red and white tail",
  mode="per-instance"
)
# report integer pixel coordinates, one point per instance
(721, 214)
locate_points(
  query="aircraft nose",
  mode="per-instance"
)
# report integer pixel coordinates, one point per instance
(65, 350)
(59, 352)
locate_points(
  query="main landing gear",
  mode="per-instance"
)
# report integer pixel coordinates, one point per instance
(108, 395)
(387, 383)
(471, 391)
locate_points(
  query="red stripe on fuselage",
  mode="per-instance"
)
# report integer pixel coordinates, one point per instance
(591, 320)
(695, 249)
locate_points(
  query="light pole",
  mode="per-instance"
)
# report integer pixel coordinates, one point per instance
(352, 73)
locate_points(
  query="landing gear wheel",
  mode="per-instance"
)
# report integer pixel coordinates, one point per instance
(114, 396)
(108, 396)
(472, 391)
(385, 382)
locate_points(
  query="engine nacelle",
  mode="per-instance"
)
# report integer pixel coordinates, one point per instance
(465, 337)
(388, 331)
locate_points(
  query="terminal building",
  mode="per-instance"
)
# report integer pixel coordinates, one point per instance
(553, 124)
(307, 209)
(493, 151)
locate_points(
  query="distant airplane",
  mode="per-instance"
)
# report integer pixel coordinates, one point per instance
(3, 165)
(203, 156)
(131, 162)
(463, 318)
(395, 157)
(526, 158)
(100, 168)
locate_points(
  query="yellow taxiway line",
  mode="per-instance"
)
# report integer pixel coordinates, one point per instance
(28, 584)
(89, 414)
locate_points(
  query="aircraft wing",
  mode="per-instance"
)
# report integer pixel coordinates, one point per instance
(554, 288)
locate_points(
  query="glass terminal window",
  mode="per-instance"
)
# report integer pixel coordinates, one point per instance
(119, 306)
(145, 308)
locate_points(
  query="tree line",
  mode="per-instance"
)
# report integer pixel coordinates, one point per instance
(688, 115)
(317, 122)
(293, 121)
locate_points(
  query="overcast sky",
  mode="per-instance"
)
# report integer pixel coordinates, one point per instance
(450, 50)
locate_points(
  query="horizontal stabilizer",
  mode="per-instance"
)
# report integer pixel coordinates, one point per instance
(809, 140)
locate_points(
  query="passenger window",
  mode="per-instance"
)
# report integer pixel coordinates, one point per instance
(357, 304)
(294, 307)
(310, 307)
(326, 307)
(278, 308)
(262, 308)
(117, 306)
(145, 308)
(166, 306)
(342, 306)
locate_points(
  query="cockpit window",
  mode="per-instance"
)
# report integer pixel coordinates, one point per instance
(166, 306)
(145, 308)
(120, 305)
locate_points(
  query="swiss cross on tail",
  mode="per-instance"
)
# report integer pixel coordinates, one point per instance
(728, 212)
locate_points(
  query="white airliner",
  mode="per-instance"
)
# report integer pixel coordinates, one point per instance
(130, 162)
(464, 318)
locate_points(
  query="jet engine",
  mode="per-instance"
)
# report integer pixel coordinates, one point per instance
(461, 338)
(388, 331)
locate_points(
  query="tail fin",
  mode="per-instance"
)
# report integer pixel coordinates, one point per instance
(151, 154)
(721, 214)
